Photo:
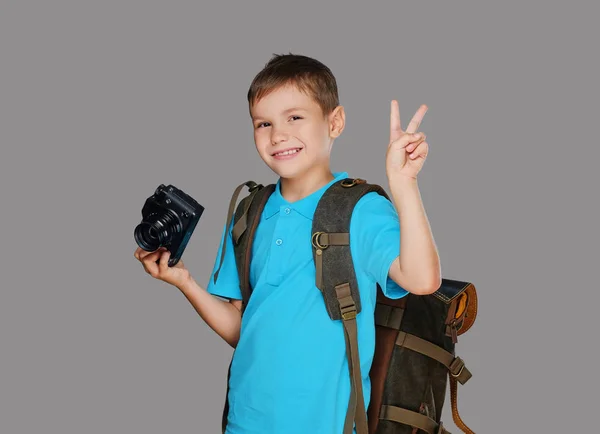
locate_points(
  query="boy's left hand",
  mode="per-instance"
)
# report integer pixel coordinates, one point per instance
(406, 151)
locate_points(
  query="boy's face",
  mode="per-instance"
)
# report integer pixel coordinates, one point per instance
(289, 120)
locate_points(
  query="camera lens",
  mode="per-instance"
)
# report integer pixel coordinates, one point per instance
(157, 231)
(152, 233)
(146, 237)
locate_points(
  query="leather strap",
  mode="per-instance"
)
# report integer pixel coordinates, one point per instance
(356, 405)
(411, 418)
(240, 225)
(322, 240)
(455, 365)
(453, 400)
(319, 269)
(388, 316)
(457, 370)
(333, 239)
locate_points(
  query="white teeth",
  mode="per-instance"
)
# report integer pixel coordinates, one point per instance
(293, 151)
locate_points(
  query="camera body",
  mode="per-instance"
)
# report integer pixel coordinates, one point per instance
(169, 218)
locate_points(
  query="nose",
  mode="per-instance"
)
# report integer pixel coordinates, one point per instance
(278, 135)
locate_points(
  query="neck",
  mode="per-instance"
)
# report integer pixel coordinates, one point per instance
(293, 189)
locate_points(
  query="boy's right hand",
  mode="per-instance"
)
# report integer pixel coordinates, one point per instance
(176, 275)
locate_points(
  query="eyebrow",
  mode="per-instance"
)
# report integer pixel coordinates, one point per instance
(293, 109)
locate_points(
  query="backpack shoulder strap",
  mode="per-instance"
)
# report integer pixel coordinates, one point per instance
(246, 217)
(336, 278)
(331, 244)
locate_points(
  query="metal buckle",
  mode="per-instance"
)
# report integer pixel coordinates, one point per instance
(352, 183)
(315, 241)
(349, 315)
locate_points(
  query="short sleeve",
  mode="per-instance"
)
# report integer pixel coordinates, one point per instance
(227, 284)
(375, 240)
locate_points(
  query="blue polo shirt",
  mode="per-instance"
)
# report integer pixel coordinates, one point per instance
(289, 371)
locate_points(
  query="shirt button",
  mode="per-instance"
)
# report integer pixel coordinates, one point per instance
(279, 241)
(287, 210)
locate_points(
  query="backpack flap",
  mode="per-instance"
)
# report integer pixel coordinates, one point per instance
(461, 298)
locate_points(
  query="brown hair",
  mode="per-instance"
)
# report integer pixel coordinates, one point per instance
(307, 74)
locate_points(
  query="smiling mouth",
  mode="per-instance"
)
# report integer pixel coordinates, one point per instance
(288, 152)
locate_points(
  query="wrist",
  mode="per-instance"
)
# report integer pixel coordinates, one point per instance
(187, 283)
(403, 188)
(401, 181)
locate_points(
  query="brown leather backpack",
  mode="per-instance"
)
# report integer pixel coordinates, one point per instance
(415, 335)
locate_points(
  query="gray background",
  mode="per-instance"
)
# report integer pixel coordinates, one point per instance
(101, 102)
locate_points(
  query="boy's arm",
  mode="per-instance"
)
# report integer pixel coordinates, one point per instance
(417, 268)
(376, 244)
(221, 316)
(418, 264)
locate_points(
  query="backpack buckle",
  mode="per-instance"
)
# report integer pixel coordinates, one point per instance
(253, 186)
(352, 182)
(349, 315)
(316, 243)
(457, 365)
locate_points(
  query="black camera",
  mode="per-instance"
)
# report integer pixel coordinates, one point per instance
(169, 218)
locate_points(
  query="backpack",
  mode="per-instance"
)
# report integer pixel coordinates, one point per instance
(415, 335)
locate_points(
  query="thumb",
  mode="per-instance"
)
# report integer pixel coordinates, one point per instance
(164, 259)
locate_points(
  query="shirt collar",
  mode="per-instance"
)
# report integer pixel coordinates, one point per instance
(305, 206)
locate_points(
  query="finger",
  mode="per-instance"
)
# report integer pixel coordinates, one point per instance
(155, 258)
(150, 260)
(415, 122)
(408, 139)
(414, 143)
(150, 264)
(421, 151)
(163, 265)
(140, 253)
(144, 254)
(395, 125)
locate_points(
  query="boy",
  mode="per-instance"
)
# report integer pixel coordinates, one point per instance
(289, 371)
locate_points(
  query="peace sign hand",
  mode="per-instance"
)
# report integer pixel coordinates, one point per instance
(408, 149)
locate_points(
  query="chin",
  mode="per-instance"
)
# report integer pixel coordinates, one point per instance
(287, 172)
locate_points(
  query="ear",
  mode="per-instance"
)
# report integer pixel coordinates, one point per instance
(337, 121)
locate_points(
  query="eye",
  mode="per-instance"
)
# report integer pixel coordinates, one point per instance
(296, 117)
(262, 123)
